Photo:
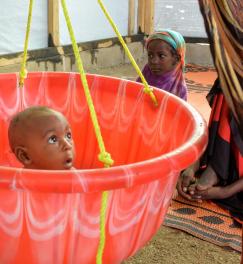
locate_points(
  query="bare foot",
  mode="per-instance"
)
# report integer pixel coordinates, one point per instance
(207, 180)
(215, 192)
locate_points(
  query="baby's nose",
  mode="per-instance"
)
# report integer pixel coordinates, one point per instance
(67, 144)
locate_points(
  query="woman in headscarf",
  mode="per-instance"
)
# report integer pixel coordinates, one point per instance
(166, 62)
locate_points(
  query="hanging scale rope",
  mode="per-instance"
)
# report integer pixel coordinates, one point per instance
(147, 89)
(23, 71)
(103, 156)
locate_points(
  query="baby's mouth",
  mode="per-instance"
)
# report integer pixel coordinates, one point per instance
(68, 163)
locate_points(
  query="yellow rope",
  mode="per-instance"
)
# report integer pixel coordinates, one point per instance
(101, 246)
(23, 71)
(104, 156)
(147, 89)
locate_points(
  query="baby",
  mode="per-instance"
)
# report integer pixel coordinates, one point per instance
(41, 138)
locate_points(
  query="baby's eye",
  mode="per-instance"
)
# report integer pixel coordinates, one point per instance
(162, 56)
(69, 136)
(52, 139)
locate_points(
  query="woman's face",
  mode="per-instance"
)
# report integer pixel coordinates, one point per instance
(160, 57)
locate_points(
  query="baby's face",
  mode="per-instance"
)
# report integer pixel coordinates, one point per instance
(160, 57)
(49, 143)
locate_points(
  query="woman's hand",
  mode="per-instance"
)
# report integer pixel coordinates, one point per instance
(186, 178)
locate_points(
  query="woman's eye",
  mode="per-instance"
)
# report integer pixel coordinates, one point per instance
(150, 56)
(162, 56)
(52, 139)
(69, 136)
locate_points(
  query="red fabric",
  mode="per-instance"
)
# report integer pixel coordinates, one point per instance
(220, 114)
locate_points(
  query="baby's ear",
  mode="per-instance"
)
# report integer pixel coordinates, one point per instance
(22, 155)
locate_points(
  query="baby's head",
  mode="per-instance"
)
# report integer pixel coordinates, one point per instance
(41, 138)
(166, 51)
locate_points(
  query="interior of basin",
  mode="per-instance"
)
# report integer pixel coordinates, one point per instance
(133, 129)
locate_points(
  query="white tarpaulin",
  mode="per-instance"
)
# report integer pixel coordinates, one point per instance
(182, 16)
(13, 20)
(89, 22)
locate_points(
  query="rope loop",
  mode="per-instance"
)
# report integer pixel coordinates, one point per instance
(148, 90)
(23, 71)
(106, 159)
(22, 77)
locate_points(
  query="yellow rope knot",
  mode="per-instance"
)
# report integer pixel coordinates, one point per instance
(105, 157)
(23, 71)
(149, 91)
(22, 76)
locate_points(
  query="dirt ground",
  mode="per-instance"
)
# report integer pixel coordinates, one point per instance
(171, 246)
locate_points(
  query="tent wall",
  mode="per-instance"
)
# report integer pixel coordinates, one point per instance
(182, 16)
(88, 21)
(49, 44)
(13, 21)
